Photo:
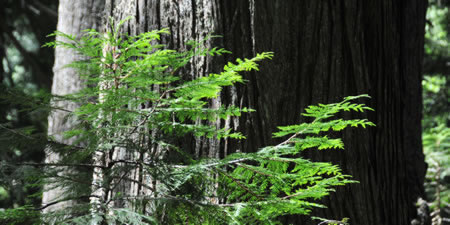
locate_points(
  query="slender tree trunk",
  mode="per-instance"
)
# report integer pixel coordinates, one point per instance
(73, 17)
(324, 50)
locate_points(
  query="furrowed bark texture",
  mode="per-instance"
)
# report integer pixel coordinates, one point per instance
(73, 17)
(179, 17)
(324, 50)
(328, 50)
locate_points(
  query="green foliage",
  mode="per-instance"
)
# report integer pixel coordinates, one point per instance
(344, 221)
(20, 215)
(437, 36)
(139, 101)
(436, 120)
(437, 149)
(275, 181)
(435, 98)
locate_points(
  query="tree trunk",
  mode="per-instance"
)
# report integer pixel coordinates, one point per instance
(73, 17)
(324, 50)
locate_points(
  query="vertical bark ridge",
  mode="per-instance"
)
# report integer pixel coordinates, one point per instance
(73, 17)
(363, 56)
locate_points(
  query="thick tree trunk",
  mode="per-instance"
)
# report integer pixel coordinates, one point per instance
(73, 17)
(324, 50)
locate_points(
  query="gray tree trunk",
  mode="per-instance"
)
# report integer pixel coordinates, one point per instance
(324, 50)
(73, 17)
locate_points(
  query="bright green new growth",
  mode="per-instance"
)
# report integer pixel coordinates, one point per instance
(138, 100)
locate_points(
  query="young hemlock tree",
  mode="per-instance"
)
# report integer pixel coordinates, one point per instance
(137, 103)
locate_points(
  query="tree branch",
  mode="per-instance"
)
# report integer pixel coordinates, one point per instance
(59, 164)
(46, 9)
(64, 200)
(239, 184)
